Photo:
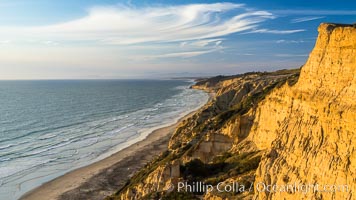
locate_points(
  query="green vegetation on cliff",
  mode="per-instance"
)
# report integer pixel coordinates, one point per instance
(235, 98)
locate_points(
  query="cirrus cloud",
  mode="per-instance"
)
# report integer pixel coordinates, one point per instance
(305, 19)
(277, 31)
(122, 25)
(196, 28)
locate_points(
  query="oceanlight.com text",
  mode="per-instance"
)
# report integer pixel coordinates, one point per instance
(301, 188)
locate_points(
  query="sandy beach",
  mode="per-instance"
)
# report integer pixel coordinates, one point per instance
(104, 177)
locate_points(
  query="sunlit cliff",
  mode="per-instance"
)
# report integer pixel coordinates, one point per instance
(278, 128)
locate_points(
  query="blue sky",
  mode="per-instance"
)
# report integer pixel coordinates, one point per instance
(49, 39)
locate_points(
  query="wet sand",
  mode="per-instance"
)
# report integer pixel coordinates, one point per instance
(100, 179)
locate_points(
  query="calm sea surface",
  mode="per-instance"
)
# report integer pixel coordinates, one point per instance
(48, 128)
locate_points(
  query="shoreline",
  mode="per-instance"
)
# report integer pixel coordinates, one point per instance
(106, 176)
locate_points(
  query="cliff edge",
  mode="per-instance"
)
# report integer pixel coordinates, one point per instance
(288, 127)
(311, 138)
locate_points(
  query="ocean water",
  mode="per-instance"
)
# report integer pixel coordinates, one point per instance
(48, 128)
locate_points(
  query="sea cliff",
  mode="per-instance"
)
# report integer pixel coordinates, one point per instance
(312, 136)
(278, 128)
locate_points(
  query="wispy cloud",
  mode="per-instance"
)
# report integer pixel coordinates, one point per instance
(245, 54)
(291, 55)
(289, 41)
(196, 28)
(314, 12)
(203, 44)
(127, 25)
(181, 54)
(277, 31)
(305, 19)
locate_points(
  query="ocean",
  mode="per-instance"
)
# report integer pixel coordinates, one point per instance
(50, 127)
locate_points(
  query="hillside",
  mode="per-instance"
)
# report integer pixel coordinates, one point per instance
(279, 128)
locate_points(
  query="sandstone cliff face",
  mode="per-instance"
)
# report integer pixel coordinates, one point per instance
(271, 128)
(210, 133)
(309, 128)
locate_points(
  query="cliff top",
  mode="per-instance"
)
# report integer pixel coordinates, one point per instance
(339, 25)
(330, 27)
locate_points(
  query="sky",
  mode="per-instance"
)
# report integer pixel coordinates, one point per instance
(109, 39)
